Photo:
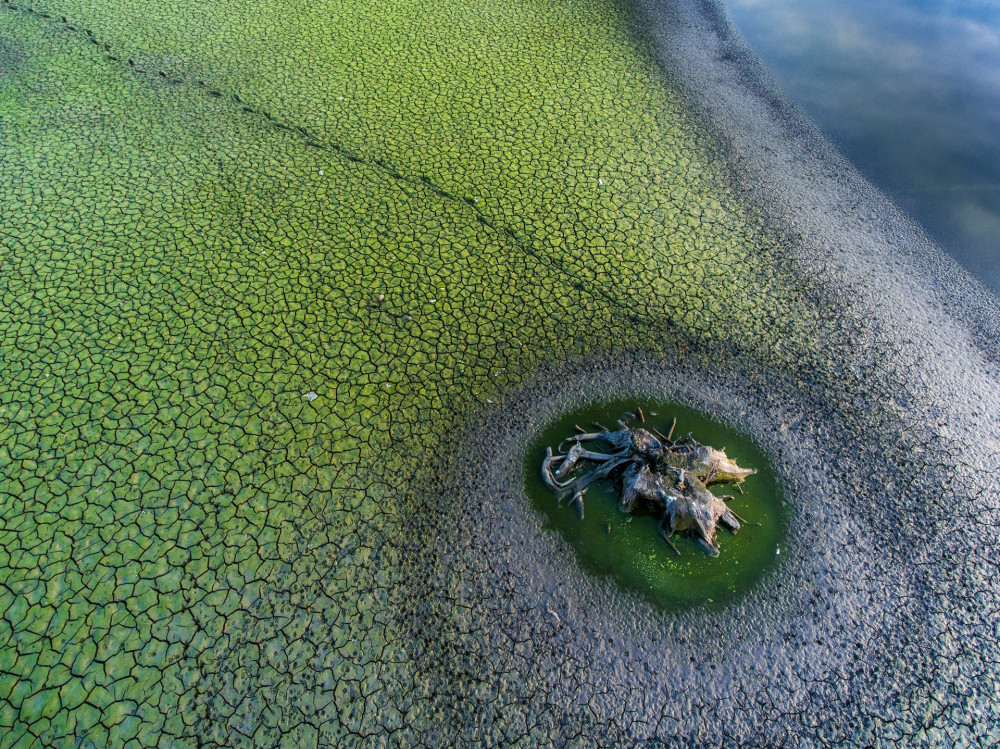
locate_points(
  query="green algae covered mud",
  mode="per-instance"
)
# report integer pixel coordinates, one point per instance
(628, 546)
(288, 287)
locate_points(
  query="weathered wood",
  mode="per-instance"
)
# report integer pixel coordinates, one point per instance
(656, 474)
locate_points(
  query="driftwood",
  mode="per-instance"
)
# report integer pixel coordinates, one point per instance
(651, 471)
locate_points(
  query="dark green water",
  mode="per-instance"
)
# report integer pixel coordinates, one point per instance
(629, 547)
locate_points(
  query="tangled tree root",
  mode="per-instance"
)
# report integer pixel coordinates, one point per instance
(651, 470)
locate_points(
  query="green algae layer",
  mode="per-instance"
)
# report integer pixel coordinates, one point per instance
(256, 260)
(628, 547)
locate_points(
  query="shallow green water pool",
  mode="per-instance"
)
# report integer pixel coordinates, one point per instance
(629, 548)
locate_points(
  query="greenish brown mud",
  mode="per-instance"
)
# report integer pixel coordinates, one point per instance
(214, 211)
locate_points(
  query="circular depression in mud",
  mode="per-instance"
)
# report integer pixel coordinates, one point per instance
(629, 548)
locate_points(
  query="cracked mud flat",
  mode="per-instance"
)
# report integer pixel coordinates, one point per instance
(880, 627)
(280, 317)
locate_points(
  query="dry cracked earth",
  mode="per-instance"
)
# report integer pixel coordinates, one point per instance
(287, 289)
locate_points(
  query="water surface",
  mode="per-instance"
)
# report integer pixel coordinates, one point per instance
(910, 92)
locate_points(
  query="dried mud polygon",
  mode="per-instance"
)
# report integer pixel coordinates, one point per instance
(264, 267)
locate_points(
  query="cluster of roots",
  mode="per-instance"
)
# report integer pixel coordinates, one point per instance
(652, 472)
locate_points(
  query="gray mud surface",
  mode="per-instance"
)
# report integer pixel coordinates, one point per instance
(880, 626)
